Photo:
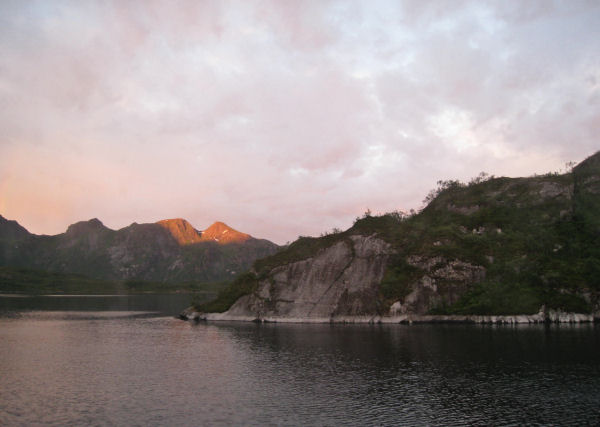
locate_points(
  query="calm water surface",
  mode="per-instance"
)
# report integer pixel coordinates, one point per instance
(132, 363)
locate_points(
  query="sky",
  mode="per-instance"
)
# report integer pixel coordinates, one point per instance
(283, 118)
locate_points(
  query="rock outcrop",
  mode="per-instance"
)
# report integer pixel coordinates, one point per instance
(454, 276)
(339, 280)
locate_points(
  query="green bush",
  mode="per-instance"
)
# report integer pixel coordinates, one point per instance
(397, 281)
(492, 298)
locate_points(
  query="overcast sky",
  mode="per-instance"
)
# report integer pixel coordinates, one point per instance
(283, 118)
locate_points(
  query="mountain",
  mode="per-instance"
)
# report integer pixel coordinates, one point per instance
(181, 230)
(219, 233)
(11, 230)
(223, 234)
(494, 246)
(167, 251)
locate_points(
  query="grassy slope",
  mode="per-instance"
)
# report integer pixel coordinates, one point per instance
(25, 281)
(537, 249)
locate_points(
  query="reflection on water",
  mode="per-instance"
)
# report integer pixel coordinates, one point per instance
(161, 303)
(433, 374)
(135, 368)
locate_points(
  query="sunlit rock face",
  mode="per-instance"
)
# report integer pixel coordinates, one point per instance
(181, 230)
(219, 232)
(223, 234)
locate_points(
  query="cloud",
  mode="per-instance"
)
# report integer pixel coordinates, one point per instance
(282, 118)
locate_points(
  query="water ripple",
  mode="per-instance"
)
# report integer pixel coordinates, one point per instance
(131, 368)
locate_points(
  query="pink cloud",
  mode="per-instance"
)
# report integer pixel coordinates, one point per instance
(281, 118)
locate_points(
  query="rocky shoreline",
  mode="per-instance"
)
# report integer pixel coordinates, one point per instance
(552, 316)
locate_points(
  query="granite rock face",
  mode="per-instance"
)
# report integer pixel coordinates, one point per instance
(342, 279)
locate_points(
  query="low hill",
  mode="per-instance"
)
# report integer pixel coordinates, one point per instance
(492, 246)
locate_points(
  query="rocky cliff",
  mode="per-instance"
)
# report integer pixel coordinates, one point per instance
(341, 279)
(492, 247)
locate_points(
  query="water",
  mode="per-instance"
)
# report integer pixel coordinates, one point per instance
(170, 304)
(140, 366)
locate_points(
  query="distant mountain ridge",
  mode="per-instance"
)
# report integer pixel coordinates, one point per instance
(170, 250)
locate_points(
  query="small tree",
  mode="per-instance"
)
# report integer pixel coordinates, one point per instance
(569, 166)
(441, 186)
(482, 177)
(398, 215)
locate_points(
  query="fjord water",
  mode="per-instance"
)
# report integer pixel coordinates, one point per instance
(116, 363)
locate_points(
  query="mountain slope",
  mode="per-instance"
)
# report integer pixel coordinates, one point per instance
(168, 251)
(11, 230)
(494, 246)
(223, 234)
(181, 230)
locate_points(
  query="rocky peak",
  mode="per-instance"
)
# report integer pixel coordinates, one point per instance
(223, 234)
(11, 230)
(181, 230)
(84, 227)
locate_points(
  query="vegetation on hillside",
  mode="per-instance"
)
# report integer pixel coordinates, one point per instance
(538, 239)
(244, 284)
(36, 282)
